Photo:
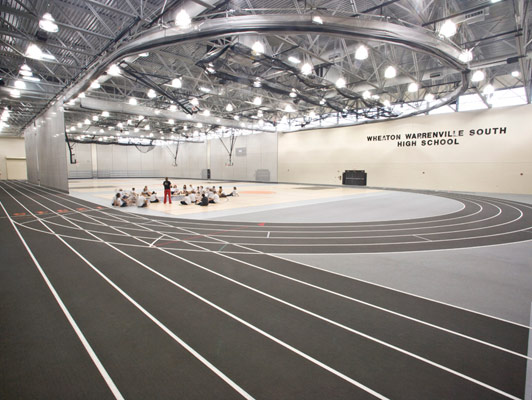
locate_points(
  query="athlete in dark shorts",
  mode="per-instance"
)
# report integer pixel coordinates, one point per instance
(167, 185)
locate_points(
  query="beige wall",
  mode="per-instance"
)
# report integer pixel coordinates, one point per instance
(10, 147)
(481, 163)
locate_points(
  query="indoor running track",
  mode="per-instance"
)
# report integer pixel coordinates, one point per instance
(98, 304)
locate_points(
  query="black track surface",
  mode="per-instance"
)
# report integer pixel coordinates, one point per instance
(185, 309)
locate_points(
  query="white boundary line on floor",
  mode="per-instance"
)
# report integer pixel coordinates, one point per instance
(88, 348)
(420, 358)
(316, 315)
(163, 327)
(222, 310)
(251, 251)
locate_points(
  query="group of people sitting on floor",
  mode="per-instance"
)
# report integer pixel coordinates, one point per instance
(132, 198)
(188, 195)
(204, 196)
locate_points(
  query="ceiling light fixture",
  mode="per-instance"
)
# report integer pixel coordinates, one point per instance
(466, 56)
(177, 83)
(258, 48)
(95, 85)
(15, 93)
(390, 72)
(114, 70)
(340, 83)
(361, 53)
(288, 108)
(448, 29)
(516, 74)
(317, 20)
(306, 69)
(133, 101)
(293, 93)
(257, 101)
(429, 97)
(194, 101)
(478, 76)
(182, 19)
(294, 60)
(413, 87)
(152, 94)
(105, 114)
(229, 107)
(366, 94)
(20, 84)
(206, 113)
(47, 23)
(144, 54)
(25, 70)
(34, 51)
(173, 107)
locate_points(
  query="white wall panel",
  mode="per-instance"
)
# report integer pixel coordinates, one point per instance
(260, 157)
(479, 163)
(10, 148)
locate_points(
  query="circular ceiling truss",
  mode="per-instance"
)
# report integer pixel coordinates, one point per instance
(313, 91)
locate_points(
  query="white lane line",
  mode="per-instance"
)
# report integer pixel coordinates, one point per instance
(375, 306)
(327, 320)
(252, 251)
(395, 290)
(156, 240)
(402, 229)
(354, 331)
(268, 235)
(220, 374)
(247, 324)
(420, 237)
(101, 369)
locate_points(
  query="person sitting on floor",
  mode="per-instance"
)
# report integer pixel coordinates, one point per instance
(215, 198)
(142, 201)
(234, 193)
(153, 197)
(118, 202)
(204, 200)
(186, 200)
(192, 197)
(221, 192)
(145, 191)
(132, 197)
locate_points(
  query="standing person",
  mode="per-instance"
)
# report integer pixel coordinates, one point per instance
(167, 187)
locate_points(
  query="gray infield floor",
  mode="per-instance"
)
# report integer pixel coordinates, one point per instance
(98, 303)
